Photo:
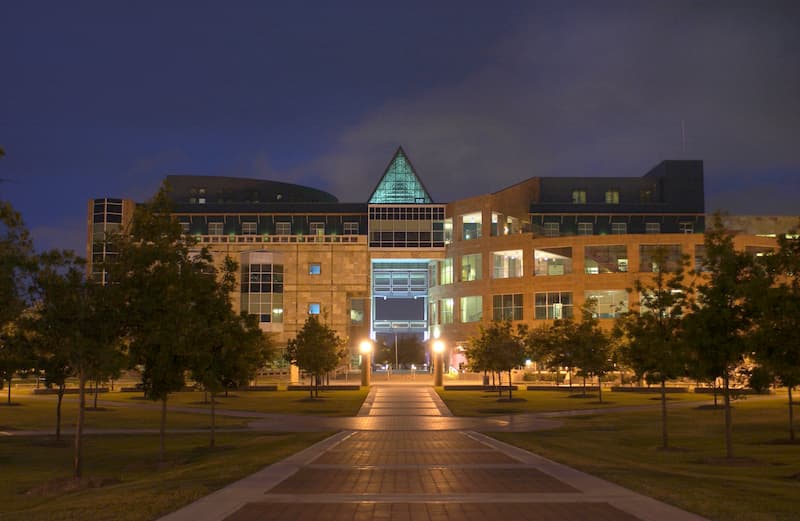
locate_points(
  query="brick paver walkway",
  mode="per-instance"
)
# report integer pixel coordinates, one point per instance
(399, 467)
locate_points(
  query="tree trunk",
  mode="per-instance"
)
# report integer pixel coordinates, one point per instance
(77, 462)
(715, 393)
(58, 411)
(499, 384)
(311, 388)
(584, 385)
(664, 439)
(9, 390)
(600, 388)
(791, 415)
(96, 392)
(509, 385)
(213, 419)
(162, 429)
(726, 393)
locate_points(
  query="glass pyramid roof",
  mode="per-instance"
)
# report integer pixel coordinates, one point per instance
(400, 184)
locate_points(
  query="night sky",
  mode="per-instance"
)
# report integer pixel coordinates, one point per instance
(106, 98)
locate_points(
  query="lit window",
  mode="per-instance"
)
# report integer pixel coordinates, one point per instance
(314, 308)
(350, 228)
(249, 228)
(585, 228)
(579, 196)
(471, 267)
(619, 228)
(315, 268)
(317, 228)
(552, 229)
(471, 226)
(608, 303)
(612, 197)
(446, 271)
(471, 309)
(605, 259)
(283, 228)
(185, 228)
(686, 227)
(652, 227)
(215, 228)
(552, 261)
(507, 264)
(447, 310)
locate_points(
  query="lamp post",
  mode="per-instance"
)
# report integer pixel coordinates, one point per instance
(438, 349)
(366, 364)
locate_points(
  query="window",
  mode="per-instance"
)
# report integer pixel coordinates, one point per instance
(605, 259)
(645, 195)
(314, 268)
(585, 228)
(471, 226)
(350, 229)
(471, 309)
(185, 228)
(262, 291)
(471, 267)
(552, 305)
(612, 196)
(283, 228)
(314, 308)
(700, 258)
(448, 230)
(433, 313)
(249, 228)
(579, 196)
(507, 264)
(432, 273)
(609, 303)
(317, 228)
(446, 271)
(655, 257)
(446, 310)
(552, 261)
(215, 228)
(552, 229)
(507, 307)
(686, 227)
(619, 228)
(357, 311)
(652, 227)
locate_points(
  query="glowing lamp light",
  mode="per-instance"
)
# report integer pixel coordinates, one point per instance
(438, 347)
(365, 347)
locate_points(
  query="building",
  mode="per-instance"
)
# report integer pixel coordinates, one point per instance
(401, 263)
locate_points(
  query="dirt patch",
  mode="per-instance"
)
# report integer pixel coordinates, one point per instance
(58, 486)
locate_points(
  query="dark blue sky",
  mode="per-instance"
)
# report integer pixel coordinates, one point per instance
(106, 98)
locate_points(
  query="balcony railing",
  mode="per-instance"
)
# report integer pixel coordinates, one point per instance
(271, 239)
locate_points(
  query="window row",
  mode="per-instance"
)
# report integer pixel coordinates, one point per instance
(553, 229)
(279, 228)
(406, 213)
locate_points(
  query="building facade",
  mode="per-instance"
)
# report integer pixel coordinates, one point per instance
(401, 263)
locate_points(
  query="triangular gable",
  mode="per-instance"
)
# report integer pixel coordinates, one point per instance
(400, 184)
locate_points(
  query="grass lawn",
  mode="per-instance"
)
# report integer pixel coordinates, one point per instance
(136, 486)
(762, 483)
(39, 413)
(330, 403)
(481, 403)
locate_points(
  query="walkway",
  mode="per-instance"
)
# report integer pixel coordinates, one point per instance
(396, 464)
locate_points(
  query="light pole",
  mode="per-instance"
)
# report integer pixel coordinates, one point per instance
(366, 363)
(438, 349)
(395, 351)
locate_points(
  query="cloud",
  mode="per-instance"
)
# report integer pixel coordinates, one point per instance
(592, 92)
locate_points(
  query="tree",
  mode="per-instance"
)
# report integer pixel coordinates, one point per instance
(232, 347)
(78, 326)
(592, 348)
(777, 337)
(721, 321)
(316, 349)
(498, 348)
(652, 333)
(16, 265)
(161, 280)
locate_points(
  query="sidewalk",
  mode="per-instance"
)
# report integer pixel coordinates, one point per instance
(411, 470)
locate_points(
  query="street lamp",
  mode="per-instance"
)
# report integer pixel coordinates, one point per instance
(366, 366)
(438, 349)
